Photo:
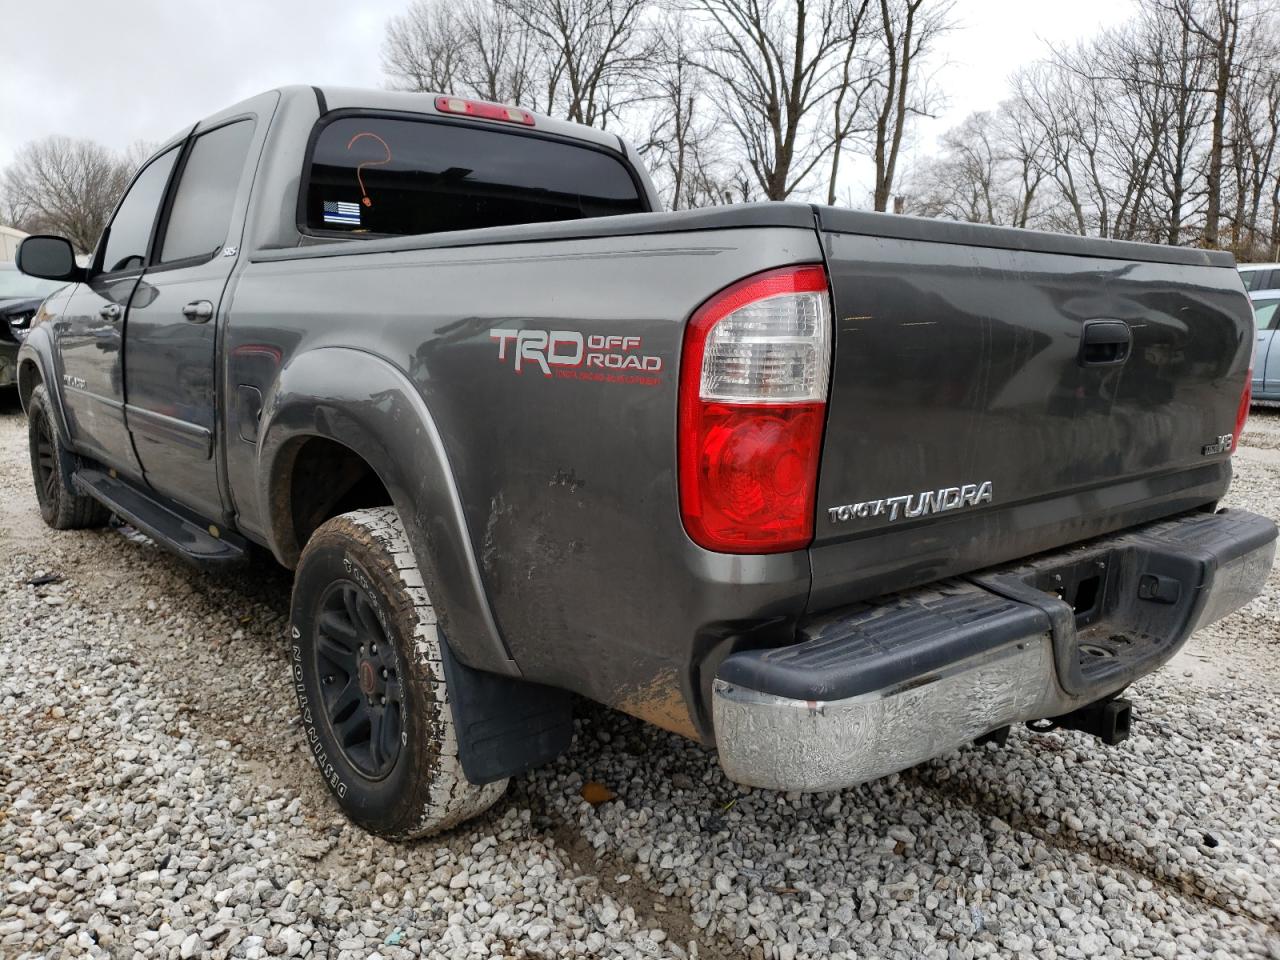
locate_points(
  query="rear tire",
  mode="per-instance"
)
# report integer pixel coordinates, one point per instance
(60, 506)
(367, 670)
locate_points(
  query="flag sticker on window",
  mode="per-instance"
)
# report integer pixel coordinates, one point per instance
(339, 212)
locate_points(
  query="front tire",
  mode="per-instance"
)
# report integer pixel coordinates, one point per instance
(60, 506)
(367, 670)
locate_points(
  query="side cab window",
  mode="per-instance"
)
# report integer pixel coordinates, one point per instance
(199, 218)
(124, 243)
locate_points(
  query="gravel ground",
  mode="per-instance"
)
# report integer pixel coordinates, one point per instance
(156, 801)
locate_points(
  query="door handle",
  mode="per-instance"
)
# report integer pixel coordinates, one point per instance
(1104, 343)
(110, 311)
(198, 311)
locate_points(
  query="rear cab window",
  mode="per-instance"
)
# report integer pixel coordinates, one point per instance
(380, 176)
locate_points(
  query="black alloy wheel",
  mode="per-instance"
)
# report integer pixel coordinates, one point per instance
(367, 663)
(360, 684)
(45, 463)
(61, 506)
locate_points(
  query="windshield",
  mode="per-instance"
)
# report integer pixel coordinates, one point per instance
(15, 285)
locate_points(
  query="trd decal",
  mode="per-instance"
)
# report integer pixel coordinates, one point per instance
(569, 355)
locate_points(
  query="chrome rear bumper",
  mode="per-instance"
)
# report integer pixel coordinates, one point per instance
(967, 657)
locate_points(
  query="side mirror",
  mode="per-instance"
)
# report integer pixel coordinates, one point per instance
(49, 258)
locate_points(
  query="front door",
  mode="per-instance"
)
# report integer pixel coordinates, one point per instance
(90, 331)
(170, 347)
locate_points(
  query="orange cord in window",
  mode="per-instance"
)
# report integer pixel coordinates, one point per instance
(364, 196)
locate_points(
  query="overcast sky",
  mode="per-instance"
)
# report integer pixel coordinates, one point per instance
(140, 69)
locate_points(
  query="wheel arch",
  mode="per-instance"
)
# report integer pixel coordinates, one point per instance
(35, 366)
(341, 409)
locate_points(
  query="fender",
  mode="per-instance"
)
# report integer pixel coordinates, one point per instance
(35, 357)
(37, 351)
(365, 403)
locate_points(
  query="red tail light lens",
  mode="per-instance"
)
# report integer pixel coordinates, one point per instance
(484, 110)
(1242, 411)
(753, 391)
(1246, 397)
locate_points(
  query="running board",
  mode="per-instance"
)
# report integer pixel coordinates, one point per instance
(161, 523)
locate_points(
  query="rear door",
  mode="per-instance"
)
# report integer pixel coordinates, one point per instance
(90, 332)
(170, 350)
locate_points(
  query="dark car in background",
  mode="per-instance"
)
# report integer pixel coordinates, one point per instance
(20, 298)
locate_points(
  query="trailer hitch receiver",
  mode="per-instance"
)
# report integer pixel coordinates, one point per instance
(1108, 720)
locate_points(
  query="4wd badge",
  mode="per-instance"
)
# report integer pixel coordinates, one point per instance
(1220, 444)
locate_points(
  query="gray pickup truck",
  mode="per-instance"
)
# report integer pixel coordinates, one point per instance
(832, 492)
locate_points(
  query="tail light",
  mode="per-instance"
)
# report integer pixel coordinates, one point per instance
(483, 110)
(1242, 411)
(1246, 397)
(753, 395)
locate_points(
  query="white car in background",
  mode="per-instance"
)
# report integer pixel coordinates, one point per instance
(1260, 276)
(1266, 352)
(9, 240)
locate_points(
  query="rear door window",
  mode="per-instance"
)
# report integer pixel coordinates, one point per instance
(201, 213)
(375, 175)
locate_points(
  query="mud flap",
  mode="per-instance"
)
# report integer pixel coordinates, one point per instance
(505, 726)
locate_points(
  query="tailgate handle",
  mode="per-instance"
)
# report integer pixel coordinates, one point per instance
(1105, 343)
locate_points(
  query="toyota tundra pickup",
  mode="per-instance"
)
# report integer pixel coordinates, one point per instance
(831, 492)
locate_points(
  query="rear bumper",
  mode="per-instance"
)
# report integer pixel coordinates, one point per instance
(884, 685)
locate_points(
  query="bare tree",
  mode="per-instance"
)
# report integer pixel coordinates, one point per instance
(1175, 77)
(1217, 24)
(989, 171)
(501, 62)
(1253, 128)
(64, 186)
(680, 150)
(1023, 148)
(473, 48)
(590, 53)
(1047, 101)
(1135, 119)
(849, 116)
(908, 31)
(773, 65)
(423, 49)
(965, 181)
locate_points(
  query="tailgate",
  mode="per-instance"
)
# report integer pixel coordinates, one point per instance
(997, 392)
